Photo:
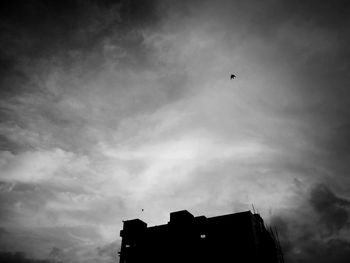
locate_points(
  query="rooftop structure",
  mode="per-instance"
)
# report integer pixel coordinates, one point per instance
(238, 237)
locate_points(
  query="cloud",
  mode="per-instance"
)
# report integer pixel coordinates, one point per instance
(110, 107)
(39, 165)
(316, 229)
(109, 251)
(18, 257)
(332, 209)
(333, 250)
(105, 253)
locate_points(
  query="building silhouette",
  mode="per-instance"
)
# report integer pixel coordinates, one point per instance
(238, 237)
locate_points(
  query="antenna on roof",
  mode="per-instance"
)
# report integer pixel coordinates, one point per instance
(253, 209)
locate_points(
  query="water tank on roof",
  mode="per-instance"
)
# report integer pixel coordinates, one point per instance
(181, 217)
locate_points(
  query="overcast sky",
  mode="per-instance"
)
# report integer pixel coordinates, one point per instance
(111, 107)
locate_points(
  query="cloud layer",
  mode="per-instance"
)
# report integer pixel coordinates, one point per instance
(111, 107)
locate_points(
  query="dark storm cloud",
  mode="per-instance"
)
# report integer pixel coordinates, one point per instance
(11, 78)
(36, 29)
(18, 257)
(323, 14)
(103, 254)
(315, 251)
(71, 38)
(7, 144)
(33, 30)
(312, 232)
(333, 210)
(282, 228)
(323, 65)
(109, 251)
(139, 13)
(3, 231)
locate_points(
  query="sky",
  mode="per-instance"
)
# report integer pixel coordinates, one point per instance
(108, 108)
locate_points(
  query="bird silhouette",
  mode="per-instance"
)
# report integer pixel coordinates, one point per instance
(232, 76)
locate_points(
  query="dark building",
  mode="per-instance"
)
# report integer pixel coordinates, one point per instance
(239, 237)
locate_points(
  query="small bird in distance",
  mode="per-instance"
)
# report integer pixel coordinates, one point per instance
(232, 76)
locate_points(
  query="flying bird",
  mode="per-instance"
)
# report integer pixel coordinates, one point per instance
(232, 76)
